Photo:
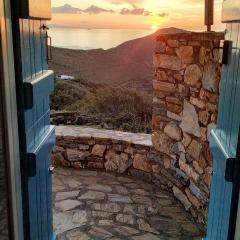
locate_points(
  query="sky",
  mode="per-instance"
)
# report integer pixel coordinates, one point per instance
(133, 14)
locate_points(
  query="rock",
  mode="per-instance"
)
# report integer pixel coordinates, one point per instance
(173, 131)
(193, 199)
(203, 132)
(80, 216)
(183, 90)
(129, 150)
(164, 86)
(105, 222)
(140, 191)
(197, 102)
(77, 235)
(197, 192)
(125, 162)
(140, 162)
(182, 198)
(156, 168)
(63, 222)
(204, 117)
(175, 108)
(123, 218)
(211, 76)
(178, 148)
(95, 165)
(161, 75)
(99, 233)
(100, 187)
(76, 156)
(189, 122)
(197, 167)
(83, 147)
(162, 142)
(66, 195)
(211, 107)
(160, 47)
(58, 149)
(185, 53)
(189, 171)
(126, 231)
(168, 162)
(107, 207)
(67, 205)
(174, 116)
(167, 61)
(173, 43)
(98, 150)
(93, 195)
(194, 149)
(142, 199)
(128, 208)
(186, 140)
(119, 198)
(116, 162)
(178, 77)
(202, 55)
(173, 100)
(193, 75)
(147, 236)
(144, 226)
(121, 190)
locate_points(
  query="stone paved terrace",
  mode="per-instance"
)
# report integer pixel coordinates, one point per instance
(139, 138)
(99, 205)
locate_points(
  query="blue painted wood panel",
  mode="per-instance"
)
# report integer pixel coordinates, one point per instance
(39, 134)
(224, 139)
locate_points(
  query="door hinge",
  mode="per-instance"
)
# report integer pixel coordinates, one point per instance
(32, 164)
(232, 173)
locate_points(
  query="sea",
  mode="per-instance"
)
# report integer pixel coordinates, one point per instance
(85, 39)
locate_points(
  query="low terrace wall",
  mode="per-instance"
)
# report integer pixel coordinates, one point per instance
(83, 147)
(186, 93)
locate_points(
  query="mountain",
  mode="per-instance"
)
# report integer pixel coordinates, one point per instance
(127, 65)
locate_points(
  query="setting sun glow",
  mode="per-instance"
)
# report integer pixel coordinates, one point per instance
(132, 14)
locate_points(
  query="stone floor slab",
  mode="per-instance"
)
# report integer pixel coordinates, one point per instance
(87, 205)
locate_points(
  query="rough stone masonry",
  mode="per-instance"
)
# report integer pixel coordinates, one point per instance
(186, 92)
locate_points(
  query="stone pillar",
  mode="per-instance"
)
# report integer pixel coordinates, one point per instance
(186, 91)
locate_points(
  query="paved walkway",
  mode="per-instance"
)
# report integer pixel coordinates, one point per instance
(98, 205)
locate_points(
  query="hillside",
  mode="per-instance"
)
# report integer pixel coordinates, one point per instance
(127, 65)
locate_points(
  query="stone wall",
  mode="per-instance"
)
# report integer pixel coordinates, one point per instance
(114, 151)
(186, 91)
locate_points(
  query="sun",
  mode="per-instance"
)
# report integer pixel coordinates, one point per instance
(154, 27)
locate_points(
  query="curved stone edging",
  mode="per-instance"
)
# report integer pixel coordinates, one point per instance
(125, 153)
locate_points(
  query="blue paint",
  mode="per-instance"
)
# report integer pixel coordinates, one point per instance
(39, 134)
(223, 142)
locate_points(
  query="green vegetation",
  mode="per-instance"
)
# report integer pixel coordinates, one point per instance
(118, 108)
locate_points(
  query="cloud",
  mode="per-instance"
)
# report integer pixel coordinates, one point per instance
(67, 8)
(95, 10)
(133, 3)
(163, 15)
(135, 11)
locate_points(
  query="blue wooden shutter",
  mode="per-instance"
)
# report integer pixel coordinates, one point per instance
(38, 133)
(224, 140)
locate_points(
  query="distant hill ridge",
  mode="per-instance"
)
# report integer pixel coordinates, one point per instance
(127, 65)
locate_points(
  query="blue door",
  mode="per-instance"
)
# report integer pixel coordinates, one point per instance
(34, 85)
(224, 143)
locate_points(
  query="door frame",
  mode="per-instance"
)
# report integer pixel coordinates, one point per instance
(10, 122)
